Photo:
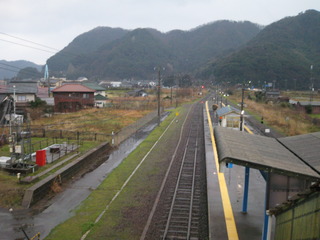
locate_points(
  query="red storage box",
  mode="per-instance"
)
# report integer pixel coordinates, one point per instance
(41, 157)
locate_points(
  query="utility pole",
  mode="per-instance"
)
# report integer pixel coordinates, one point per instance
(171, 97)
(274, 85)
(159, 82)
(14, 101)
(158, 92)
(311, 84)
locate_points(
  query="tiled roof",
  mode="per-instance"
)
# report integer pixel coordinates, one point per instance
(94, 86)
(307, 103)
(99, 97)
(226, 110)
(73, 88)
(19, 88)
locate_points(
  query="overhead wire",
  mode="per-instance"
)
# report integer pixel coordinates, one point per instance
(26, 40)
(55, 50)
(16, 70)
(51, 49)
(8, 69)
(27, 46)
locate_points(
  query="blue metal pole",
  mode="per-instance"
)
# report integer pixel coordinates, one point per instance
(246, 190)
(265, 226)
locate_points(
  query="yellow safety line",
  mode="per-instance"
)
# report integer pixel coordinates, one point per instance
(248, 130)
(227, 208)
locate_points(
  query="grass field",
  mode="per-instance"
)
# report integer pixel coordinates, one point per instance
(11, 191)
(279, 116)
(96, 120)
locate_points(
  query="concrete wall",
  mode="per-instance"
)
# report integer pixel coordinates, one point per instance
(40, 189)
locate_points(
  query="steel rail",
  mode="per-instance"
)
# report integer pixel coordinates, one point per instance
(180, 185)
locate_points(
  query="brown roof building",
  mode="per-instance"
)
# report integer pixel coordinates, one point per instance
(72, 98)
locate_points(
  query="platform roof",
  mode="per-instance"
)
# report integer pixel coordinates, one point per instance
(227, 110)
(306, 147)
(267, 153)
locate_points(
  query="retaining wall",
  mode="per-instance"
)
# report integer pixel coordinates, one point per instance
(40, 189)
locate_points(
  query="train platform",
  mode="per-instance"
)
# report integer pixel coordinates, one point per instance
(226, 219)
(255, 178)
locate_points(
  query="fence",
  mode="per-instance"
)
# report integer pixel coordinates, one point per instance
(116, 138)
(302, 221)
(75, 135)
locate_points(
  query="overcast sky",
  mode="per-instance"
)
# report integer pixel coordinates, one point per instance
(55, 23)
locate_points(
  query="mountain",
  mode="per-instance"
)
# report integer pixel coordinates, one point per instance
(84, 44)
(209, 42)
(130, 56)
(118, 53)
(282, 52)
(10, 69)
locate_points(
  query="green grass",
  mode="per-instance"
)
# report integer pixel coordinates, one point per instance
(314, 115)
(116, 223)
(12, 192)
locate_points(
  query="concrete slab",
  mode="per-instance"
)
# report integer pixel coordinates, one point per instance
(249, 225)
(216, 219)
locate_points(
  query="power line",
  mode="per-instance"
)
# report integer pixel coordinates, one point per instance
(48, 50)
(39, 44)
(9, 69)
(27, 46)
(10, 65)
(13, 70)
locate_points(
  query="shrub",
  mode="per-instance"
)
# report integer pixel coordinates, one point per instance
(308, 109)
(37, 103)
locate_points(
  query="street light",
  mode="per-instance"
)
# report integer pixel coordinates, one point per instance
(241, 120)
(242, 112)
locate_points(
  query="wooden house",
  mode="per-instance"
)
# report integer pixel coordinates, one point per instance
(72, 98)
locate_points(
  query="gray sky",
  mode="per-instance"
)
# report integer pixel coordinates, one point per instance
(55, 23)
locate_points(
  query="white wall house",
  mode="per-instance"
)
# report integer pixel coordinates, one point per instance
(229, 117)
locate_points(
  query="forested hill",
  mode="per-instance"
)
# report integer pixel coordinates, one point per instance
(84, 44)
(10, 69)
(116, 53)
(282, 52)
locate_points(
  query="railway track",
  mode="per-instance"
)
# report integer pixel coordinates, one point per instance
(181, 211)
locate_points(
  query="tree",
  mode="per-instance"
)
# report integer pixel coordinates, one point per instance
(169, 81)
(185, 81)
(37, 103)
(29, 72)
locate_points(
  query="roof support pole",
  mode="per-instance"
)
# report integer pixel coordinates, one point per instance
(265, 226)
(246, 190)
(266, 206)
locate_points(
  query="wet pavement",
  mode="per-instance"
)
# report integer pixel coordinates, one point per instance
(61, 207)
